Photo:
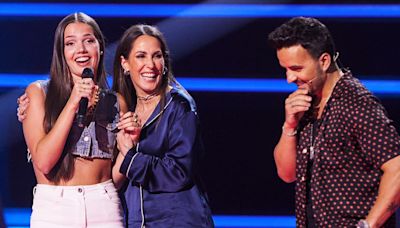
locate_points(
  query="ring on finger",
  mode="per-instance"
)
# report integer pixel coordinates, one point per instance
(21, 112)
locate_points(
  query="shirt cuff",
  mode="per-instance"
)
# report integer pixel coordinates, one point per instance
(126, 163)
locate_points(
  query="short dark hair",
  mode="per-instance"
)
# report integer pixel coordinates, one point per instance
(308, 32)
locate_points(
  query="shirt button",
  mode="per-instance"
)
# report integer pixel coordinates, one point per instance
(303, 179)
(79, 190)
(304, 151)
(86, 138)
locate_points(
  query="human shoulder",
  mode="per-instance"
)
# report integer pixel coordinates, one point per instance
(351, 92)
(362, 96)
(355, 87)
(360, 104)
(182, 100)
(37, 88)
(107, 100)
(35, 110)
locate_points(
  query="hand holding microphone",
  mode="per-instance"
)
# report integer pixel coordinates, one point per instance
(83, 103)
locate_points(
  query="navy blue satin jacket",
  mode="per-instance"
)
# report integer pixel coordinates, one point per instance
(164, 188)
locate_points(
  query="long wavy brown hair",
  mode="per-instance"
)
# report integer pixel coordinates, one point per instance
(60, 87)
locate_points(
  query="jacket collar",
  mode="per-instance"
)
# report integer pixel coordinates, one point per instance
(157, 111)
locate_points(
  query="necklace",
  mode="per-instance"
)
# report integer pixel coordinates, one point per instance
(318, 122)
(147, 97)
(313, 137)
(96, 100)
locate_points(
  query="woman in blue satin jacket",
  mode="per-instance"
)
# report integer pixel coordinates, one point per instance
(159, 141)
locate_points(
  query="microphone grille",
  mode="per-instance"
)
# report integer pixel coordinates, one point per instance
(87, 73)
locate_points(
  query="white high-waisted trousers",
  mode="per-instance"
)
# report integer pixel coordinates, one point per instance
(86, 206)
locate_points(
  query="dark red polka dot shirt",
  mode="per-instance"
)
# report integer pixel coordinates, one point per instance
(354, 139)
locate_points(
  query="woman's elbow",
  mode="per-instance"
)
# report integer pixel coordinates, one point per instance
(42, 166)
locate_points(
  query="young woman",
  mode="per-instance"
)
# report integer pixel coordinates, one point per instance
(72, 164)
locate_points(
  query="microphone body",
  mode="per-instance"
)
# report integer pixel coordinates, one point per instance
(83, 103)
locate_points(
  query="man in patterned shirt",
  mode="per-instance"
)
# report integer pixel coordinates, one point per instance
(337, 142)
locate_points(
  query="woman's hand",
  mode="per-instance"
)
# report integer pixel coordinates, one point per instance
(130, 127)
(83, 87)
(23, 104)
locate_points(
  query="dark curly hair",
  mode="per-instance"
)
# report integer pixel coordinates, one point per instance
(310, 33)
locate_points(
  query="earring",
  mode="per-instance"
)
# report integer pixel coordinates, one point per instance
(126, 72)
(101, 52)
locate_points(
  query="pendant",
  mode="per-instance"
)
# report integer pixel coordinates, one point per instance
(311, 152)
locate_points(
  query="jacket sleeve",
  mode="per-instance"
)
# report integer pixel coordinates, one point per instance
(375, 132)
(173, 171)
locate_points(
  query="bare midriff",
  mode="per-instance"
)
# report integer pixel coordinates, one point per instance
(86, 172)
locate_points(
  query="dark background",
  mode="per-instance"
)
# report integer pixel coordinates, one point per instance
(240, 129)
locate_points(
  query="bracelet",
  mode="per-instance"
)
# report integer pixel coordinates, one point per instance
(363, 224)
(288, 134)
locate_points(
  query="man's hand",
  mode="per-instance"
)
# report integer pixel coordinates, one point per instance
(296, 104)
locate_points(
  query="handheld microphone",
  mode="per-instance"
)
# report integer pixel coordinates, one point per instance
(83, 103)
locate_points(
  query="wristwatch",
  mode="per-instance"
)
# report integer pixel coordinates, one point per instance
(362, 224)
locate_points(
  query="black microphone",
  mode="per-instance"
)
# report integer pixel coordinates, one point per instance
(83, 103)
